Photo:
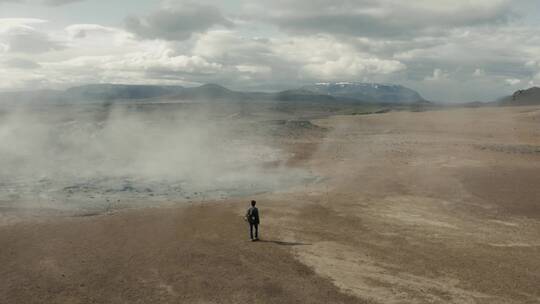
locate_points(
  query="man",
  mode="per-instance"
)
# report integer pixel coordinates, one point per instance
(252, 217)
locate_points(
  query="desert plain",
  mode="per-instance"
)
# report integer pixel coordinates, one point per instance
(436, 206)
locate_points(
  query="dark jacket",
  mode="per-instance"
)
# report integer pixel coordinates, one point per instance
(253, 215)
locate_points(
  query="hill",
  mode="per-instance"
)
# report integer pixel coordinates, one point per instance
(529, 96)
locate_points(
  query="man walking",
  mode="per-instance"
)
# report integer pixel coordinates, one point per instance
(252, 217)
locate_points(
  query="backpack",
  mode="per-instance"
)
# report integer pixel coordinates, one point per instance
(250, 217)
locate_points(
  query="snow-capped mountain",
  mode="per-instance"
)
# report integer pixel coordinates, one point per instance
(371, 92)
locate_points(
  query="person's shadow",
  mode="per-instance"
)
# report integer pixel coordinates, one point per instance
(282, 243)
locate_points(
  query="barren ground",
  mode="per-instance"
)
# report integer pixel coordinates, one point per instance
(430, 207)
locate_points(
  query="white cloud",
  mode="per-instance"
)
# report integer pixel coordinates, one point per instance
(19, 35)
(59, 2)
(45, 2)
(98, 54)
(353, 67)
(513, 81)
(132, 67)
(459, 50)
(20, 63)
(535, 80)
(177, 23)
(381, 18)
(324, 57)
(9, 24)
(226, 44)
(82, 30)
(254, 69)
(479, 73)
(438, 75)
(296, 58)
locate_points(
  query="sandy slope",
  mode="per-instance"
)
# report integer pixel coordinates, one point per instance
(432, 207)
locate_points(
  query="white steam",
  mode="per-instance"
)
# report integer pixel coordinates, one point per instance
(91, 157)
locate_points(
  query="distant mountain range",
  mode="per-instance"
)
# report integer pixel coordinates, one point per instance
(375, 92)
(327, 92)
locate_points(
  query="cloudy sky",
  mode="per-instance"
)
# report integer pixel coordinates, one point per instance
(448, 50)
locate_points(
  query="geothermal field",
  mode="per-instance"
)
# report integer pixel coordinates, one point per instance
(142, 202)
(89, 159)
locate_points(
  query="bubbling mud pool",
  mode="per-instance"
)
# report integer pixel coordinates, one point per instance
(104, 194)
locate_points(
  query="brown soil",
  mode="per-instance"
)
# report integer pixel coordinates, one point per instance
(411, 209)
(197, 254)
